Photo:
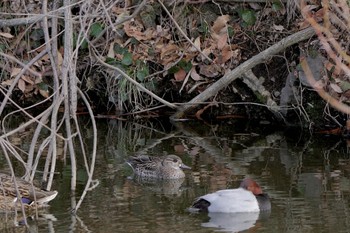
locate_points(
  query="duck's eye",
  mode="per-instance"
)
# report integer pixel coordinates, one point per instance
(175, 160)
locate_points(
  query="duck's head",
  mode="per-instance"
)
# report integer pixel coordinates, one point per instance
(251, 185)
(175, 162)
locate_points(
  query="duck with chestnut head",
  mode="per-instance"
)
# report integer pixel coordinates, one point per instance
(247, 198)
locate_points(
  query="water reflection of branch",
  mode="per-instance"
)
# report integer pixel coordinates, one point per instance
(297, 170)
(75, 218)
(203, 142)
(156, 142)
(123, 132)
(16, 222)
(90, 184)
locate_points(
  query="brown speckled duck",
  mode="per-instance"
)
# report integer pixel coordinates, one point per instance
(165, 167)
(31, 196)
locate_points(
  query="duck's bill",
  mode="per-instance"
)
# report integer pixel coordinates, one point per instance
(183, 166)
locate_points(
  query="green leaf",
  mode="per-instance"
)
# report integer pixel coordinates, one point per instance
(133, 41)
(84, 44)
(203, 28)
(2, 47)
(152, 85)
(248, 16)
(142, 73)
(111, 61)
(187, 66)
(96, 29)
(120, 50)
(82, 176)
(230, 31)
(345, 86)
(277, 6)
(37, 34)
(151, 52)
(42, 86)
(173, 70)
(127, 59)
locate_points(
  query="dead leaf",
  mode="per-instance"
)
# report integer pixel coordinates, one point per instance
(29, 88)
(255, 6)
(120, 10)
(207, 52)
(336, 88)
(21, 85)
(38, 80)
(180, 75)
(27, 79)
(278, 27)
(194, 150)
(59, 58)
(209, 71)
(15, 71)
(222, 41)
(309, 8)
(224, 56)
(236, 55)
(179, 148)
(197, 43)
(220, 23)
(7, 82)
(136, 30)
(194, 75)
(111, 52)
(6, 35)
(168, 54)
(44, 93)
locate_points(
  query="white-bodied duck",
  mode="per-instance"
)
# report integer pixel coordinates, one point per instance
(247, 198)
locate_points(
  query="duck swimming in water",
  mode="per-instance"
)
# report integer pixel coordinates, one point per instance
(247, 198)
(165, 167)
(31, 196)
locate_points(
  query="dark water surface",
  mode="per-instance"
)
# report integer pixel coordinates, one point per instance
(306, 177)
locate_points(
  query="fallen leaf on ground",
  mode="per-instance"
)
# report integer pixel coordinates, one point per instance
(210, 71)
(6, 35)
(21, 85)
(194, 75)
(15, 71)
(180, 75)
(222, 41)
(220, 23)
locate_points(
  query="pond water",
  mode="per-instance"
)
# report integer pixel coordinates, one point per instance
(306, 177)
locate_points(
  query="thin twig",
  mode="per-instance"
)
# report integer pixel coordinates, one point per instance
(182, 32)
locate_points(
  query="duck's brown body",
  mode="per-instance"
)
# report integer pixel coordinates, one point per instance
(31, 196)
(165, 167)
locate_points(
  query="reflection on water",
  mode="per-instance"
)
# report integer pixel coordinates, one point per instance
(231, 222)
(306, 178)
(235, 222)
(165, 187)
(11, 222)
